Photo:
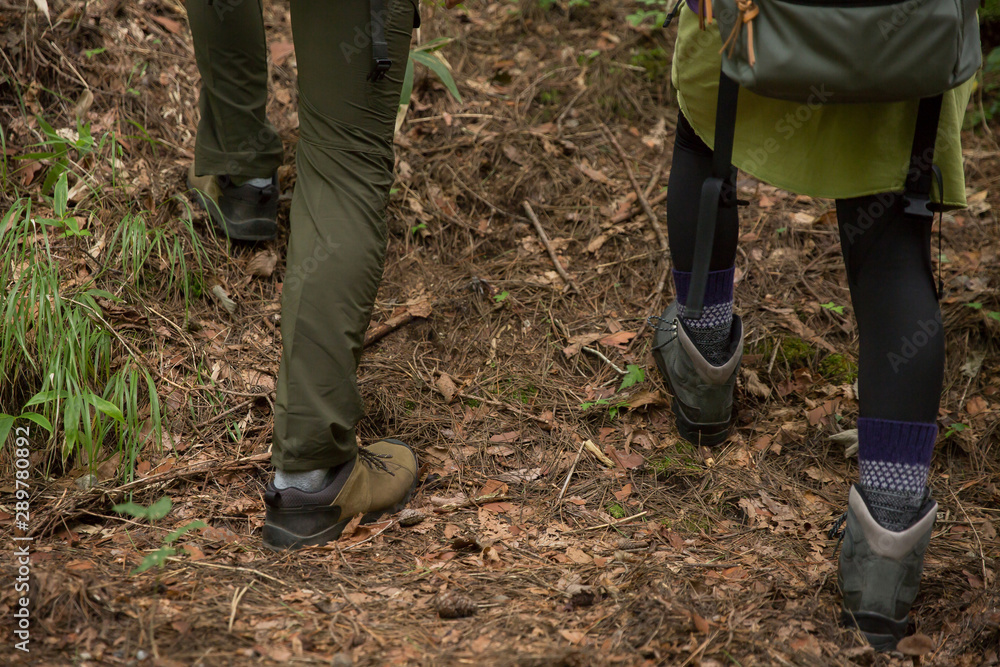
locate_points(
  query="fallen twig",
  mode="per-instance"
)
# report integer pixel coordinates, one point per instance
(472, 502)
(548, 246)
(611, 524)
(603, 358)
(398, 319)
(237, 596)
(572, 469)
(653, 221)
(633, 211)
(500, 404)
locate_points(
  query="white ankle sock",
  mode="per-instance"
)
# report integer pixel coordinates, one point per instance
(259, 182)
(310, 481)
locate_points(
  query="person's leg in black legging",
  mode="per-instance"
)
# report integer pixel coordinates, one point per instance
(901, 360)
(692, 164)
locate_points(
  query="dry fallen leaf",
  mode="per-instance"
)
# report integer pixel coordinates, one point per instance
(753, 384)
(170, 24)
(975, 405)
(262, 264)
(446, 386)
(593, 174)
(280, 52)
(627, 461)
(43, 7)
(223, 298)
(917, 644)
(596, 451)
(619, 340)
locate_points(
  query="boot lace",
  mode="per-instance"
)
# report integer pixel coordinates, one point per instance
(375, 461)
(837, 531)
(659, 324)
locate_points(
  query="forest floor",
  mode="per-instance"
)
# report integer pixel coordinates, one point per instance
(505, 380)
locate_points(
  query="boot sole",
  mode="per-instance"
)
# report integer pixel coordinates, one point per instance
(708, 434)
(277, 538)
(255, 229)
(882, 632)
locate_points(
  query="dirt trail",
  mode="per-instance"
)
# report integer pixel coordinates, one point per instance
(655, 552)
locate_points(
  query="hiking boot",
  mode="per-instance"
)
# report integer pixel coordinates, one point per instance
(378, 481)
(241, 212)
(703, 392)
(879, 573)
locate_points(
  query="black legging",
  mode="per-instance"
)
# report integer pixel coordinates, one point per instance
(901, 360)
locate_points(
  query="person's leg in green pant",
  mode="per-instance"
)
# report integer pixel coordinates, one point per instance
(334, 266)
(237, 151)
(335, 257)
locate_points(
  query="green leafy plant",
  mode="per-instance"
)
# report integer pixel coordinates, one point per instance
(650, 9)
(834, 307)
(992, 314)
(154, 513)
(56, 344)
(546, 5)
(7, 423)
(499, 298)
(429, 55)
(633, 375)
(953, 429)
(60, 199)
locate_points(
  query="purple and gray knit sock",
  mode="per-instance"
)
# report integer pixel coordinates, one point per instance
(711, 332)
(895, 459)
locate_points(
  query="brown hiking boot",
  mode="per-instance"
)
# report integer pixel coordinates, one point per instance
(379, 480)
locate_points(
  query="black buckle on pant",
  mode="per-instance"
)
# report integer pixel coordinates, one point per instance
(379, 69)
(380, 49)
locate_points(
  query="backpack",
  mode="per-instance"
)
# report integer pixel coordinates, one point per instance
(834, 52)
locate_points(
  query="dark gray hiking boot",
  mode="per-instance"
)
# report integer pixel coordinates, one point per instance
(380, 480)
(879, 573)
(241, 212)
(703, 393)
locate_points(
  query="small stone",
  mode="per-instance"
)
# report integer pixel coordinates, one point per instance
(141, 655)
(409, 517)
(342, 660)
(85, 656)
(455, 605)
(87, 481)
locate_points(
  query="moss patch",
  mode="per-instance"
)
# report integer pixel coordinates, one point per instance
(655, 61)
(839, 369)
(679, 459)
(795, 351)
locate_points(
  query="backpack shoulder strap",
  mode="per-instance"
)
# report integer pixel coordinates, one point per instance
(920, 176)
(717, 190)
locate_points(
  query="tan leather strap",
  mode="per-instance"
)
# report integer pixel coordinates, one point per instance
(704, 13)
(748, 12)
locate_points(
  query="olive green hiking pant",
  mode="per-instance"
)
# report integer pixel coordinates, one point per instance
(344, 161)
